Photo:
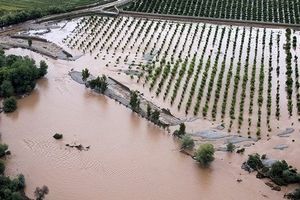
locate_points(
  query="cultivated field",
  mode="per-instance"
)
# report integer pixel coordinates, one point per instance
(17, 5)
(278, 11)
(245, 77)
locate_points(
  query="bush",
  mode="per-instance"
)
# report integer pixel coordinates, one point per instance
(230, 147)
(255, 162)
(205, 154)
(9, 104)
(281, 174)
(187, 142)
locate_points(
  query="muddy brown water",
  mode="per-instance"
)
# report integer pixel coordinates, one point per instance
(129, 158)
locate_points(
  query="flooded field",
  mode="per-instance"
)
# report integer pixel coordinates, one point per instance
(171, 63)
(128, 158)
(224, 74)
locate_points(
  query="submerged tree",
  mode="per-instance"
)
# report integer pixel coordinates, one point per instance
(99, 84)
(205, 154)
(187, 142)
(40, 193)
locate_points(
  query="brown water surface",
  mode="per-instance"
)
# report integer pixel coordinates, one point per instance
(129, 158)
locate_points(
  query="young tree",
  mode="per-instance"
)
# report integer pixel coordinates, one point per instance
(29, 42)
(187, 142)
(85, 74)
(205, 154)
(43, 68)
(9, 104)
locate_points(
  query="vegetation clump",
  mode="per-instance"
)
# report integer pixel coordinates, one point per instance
(181, 131)
(10, 189)
(280, 172)
(205, 154)
(230, 147)
(187, 142)
(18, 76)
(99, 84)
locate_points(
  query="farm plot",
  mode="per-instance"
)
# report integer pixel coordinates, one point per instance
(246, 78)
(278, 11)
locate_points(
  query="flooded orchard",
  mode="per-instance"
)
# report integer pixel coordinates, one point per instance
(129, 158)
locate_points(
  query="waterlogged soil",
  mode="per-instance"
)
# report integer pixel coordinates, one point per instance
(129, 158)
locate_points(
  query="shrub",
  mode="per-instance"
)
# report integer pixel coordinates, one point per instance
(230, 147)
(9, 104)
(254, 161)
(205, 154)
(187, 142)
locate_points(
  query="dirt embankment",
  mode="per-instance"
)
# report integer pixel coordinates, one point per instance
(38, 45)
(121, 93)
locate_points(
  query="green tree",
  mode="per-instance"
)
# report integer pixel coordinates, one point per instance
(9, 104)
(187, 142)
(100, 84)
(85, 74)
(255, 162)
(134, 100)
(6, 89)
(230, 147)
(43, 68)
(205, 154)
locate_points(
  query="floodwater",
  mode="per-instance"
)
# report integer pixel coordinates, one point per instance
(129, 158)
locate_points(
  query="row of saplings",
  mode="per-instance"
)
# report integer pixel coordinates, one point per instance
(279, 172)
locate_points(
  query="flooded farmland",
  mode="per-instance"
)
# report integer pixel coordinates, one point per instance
(128, 157)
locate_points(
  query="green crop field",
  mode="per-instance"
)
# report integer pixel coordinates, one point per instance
(277, 11)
